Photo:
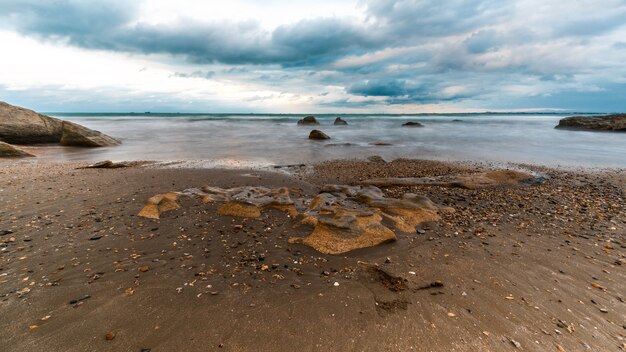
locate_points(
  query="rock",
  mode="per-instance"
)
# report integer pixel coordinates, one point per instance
(308, 120)
(9, 151)
(79, 136)
(109, 336)
(107, 164)
(318, 135)
(492, 179)
(23, 126)
(340, 121)
(616, 123)
(344, 218)
(376, 159)
(412, 124)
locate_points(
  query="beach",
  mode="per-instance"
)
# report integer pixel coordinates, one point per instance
(533, 267)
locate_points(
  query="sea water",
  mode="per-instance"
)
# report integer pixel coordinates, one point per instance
(241, 140)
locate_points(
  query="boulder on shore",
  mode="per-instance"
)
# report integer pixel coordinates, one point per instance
(79, 136)
(23, 126)
(318, 135)
(9, 151)
(615, 123)
(412, 124)
(308, 120)
(340, 121)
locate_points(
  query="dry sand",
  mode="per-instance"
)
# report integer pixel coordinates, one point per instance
(533, 268)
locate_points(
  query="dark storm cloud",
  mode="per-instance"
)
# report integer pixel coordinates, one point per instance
(109, 25)
(449, 47)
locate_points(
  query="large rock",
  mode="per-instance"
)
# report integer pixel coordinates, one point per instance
(412, 124)
(9, 151)
(308, 120)
(318, 135)
(23, 126)
(615, 123)
(340, 121)
(79, 136)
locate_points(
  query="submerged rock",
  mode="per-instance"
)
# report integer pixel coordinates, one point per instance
(616, 123)
(340, 121)
(318, 135)
(79, 136)
(308, 120)
(10, 151)
(412, 124)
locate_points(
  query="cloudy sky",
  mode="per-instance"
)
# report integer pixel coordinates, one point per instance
(298, 56)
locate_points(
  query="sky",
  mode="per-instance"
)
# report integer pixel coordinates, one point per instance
(321, 56)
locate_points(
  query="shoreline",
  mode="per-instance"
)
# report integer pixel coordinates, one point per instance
(540, 266)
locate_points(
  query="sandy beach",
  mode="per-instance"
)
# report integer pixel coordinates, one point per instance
(529, 267)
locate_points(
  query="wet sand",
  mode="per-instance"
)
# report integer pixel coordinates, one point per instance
(532, 268)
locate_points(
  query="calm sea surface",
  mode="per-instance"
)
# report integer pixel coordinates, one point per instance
(276, 139)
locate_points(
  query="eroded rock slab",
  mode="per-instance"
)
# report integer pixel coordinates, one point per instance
(10, 151)
(23, 126)
(344, 218)
(497, 178)
(79, 136)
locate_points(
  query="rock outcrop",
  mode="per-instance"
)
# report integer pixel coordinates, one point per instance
(79, 136)
(308, 120)
(616, 123)
(9, 151)
(318, 135)
(491, 179)
(344, 218)
(340, 122)
(23, 126)
(412, 124)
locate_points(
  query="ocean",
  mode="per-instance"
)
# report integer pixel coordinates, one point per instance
(239, 140)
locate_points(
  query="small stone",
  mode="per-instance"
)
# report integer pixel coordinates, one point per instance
(95, 238)
(451, 315)
(515, 343)
(336, 284)
(109, 336)
(144, 268)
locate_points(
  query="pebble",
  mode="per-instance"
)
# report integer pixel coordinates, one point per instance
(109, 336)
(336, 284)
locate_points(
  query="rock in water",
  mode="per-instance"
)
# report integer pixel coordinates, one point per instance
(9, 151)
(340, 121)
(616, 123)
(79, 136)
(308, 120)
(23, 126)
(412, 124)
(318, 135)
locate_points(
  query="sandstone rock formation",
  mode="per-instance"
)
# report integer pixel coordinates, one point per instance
(9, 151)
(497, 178)
(79, 136)
(340, 121)
(615, 123)
(23, 126)
(412, 124)
(308, 120)
(343, 218)
(318, 135)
